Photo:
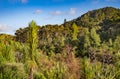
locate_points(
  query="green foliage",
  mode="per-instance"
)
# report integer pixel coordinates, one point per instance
(86, 39)
(117, 44)
(4, 38)
(39, 76)
(7, 53)
(98, 70)
(84, 48)
(21, 35)
(95, 39)
(56, 72)
(74, 31)
(32, 39)
(12, 71)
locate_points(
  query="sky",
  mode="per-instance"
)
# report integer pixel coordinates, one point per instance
(15, 14)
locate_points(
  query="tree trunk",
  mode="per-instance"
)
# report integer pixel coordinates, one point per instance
(30, 73)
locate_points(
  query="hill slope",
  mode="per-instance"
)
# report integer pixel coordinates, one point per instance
(107, 20)
(77, 49)
(96, 17)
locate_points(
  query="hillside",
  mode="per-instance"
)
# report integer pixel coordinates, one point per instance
(106, 19)
(96, 17)
(105, 23)
(84, 48)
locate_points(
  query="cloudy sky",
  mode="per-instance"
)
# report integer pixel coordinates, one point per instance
(15, 14)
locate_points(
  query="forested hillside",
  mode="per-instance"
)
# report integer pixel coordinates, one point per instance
(87, 47)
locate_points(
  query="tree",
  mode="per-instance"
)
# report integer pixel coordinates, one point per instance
(86, 42)
(74, 31)
(86, 39)
(95, 38)
(117, 44)
(22, 35)
(65, 20)
(33, 40)
(32, 47)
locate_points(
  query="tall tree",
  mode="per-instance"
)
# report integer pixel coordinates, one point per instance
(33, 39)
(32, 47)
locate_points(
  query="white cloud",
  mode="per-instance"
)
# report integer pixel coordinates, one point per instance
(3, 28)
(38, 11)
(24, 1)
(72, 11)
(56, 12)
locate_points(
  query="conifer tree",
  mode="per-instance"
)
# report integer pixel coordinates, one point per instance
(32, 47)
(74, 31)
(32, 39)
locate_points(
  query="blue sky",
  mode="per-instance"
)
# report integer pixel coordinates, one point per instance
(15, 14)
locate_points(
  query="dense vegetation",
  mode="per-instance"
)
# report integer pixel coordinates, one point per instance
(84, 48)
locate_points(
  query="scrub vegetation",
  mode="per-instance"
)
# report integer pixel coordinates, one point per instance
(84, 48)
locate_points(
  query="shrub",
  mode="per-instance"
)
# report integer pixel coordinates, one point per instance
(12, 71)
